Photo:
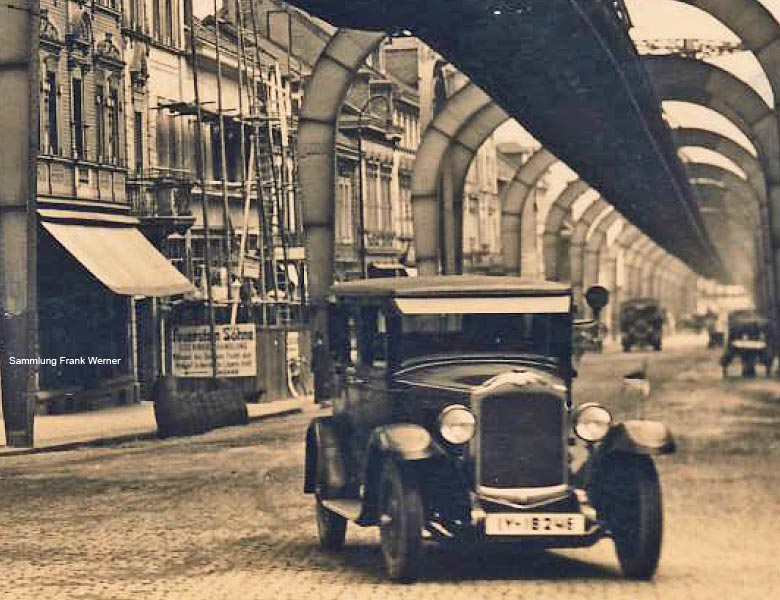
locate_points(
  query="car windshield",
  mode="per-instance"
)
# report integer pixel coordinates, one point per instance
(546, 335)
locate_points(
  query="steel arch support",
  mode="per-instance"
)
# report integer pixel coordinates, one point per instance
(555, 217)
(707, 85)
(518, 215)
(577, 249)
(317, 126)
(595, 248)
(459, 157)
(755, 26)
(433, 148)
(704, 138)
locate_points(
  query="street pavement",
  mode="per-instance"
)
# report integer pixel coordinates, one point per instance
(222, 516)
(119, 424)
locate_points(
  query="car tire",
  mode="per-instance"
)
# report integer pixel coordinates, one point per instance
(331, 528)
(401, 521)
(634, 514)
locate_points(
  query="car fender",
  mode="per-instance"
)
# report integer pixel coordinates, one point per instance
(639, 437)
(326, 472)
(410, 445)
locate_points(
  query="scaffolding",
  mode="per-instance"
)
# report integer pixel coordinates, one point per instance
(274, 292)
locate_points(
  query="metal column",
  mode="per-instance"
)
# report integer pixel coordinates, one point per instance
(19, 122)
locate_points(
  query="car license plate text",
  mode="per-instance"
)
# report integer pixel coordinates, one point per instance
(535, 524)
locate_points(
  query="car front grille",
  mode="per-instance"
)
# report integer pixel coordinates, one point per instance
(520, 440)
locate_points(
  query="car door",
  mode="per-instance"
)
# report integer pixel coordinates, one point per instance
(366, 382)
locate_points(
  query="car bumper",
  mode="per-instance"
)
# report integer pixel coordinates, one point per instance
(483, 508)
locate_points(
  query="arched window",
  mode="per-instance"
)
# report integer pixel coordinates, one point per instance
(50, 94)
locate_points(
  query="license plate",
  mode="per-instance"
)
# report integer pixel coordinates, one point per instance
(535, 524)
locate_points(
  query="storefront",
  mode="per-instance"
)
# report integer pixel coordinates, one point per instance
(92, 269)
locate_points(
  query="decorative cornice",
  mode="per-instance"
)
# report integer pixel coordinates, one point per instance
(108, 54)
(48, 31)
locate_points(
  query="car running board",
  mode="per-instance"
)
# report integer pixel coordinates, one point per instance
(348, 508)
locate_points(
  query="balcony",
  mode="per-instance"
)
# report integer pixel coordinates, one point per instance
(380, 240)
(162, 199)
(61, 177)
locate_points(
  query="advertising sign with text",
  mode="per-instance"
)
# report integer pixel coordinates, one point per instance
(236, 351)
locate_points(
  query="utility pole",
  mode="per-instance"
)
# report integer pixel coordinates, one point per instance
(203, 197)
(246, 178)
(19, 30)
(222, 160)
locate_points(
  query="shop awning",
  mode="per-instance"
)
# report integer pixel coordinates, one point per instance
(121, 258)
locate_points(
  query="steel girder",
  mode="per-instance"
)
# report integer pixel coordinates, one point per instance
(576, 83)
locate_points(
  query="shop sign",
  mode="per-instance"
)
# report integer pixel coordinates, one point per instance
(236, 351)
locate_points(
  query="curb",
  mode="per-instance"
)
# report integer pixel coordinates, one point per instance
(124, 438)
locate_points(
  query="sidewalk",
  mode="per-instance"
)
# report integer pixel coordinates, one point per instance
(120, 424)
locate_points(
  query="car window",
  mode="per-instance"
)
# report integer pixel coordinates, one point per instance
(542, 334)
(372, 337)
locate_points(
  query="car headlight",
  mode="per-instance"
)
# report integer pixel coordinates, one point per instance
(592, 422)
(457, 424)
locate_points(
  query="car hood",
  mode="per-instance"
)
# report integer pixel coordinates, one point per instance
(470, 374)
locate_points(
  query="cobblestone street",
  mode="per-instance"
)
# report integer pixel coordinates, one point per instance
(223, 516)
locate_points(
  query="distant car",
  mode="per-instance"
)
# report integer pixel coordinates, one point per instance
(641, 323)
(589, 336)
(454, 421)
(750, 340)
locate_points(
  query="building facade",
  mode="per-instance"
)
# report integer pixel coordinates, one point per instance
(120, 189)
(86, 303)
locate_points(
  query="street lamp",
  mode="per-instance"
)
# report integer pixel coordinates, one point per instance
(361, 207)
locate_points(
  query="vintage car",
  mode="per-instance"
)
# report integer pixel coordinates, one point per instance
(641, 323)
(455, 423)
(750, 340)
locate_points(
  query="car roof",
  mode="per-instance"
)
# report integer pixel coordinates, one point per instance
(450, 286)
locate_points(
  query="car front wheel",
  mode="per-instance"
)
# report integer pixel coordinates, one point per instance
(331, 528)
(633, 511)
(400, 522)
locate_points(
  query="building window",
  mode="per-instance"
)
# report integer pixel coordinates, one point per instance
(405, 205)
(113, 126)
(169, 31)
(138, 141)
(100, 122)
(233, 152)
(371, 199)
(386, 202)
(216, 153)
(78, 118)
(51, 142)
(162, 139)
(156, 29)
(344, 208)
(173, 141)
(470, 226)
